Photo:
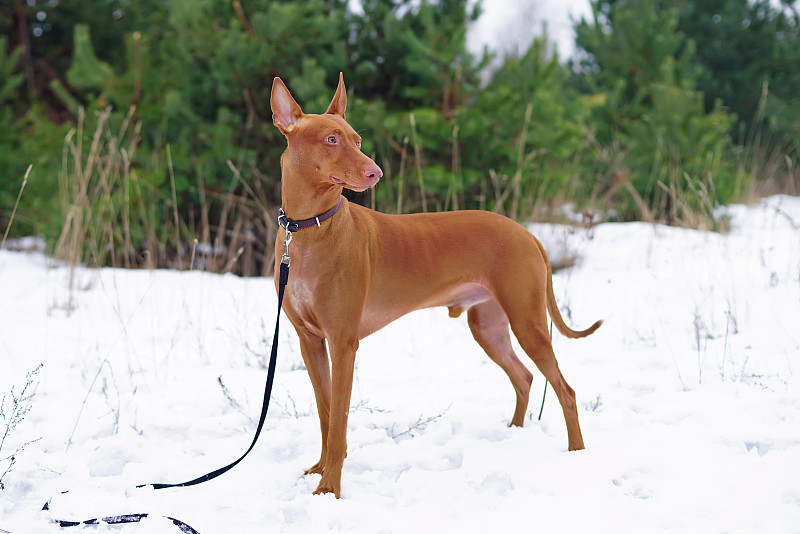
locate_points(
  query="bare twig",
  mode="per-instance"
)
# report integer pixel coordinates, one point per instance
(419, 424)
(20, 406)
(104, 362)
(778, 211)
(232, 400)
(237, 6)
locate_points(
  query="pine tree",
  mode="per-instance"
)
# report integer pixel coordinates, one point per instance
(746, 47)
(641, 72)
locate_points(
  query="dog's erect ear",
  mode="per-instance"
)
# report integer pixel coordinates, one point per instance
(339, 102)
(285, 111)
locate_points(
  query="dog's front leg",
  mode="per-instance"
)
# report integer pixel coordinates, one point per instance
(315, 357)
(343, 355)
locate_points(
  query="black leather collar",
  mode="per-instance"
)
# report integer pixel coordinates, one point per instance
(292, 226)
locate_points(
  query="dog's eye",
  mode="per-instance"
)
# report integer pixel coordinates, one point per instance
(358, 143)
(331, 139)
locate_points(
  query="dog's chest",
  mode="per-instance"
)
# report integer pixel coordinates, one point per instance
(305, 301)
(300, 293)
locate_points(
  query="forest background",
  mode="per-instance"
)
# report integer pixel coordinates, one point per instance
(139, 133)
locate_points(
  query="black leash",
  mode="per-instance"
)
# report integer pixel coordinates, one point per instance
(119, 520)
(284, 277)
(135, 518)
(289, 226)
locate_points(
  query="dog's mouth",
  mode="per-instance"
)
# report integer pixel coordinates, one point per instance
(357, 188)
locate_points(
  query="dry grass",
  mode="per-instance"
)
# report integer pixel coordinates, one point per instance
(114, 216)
(768, 159)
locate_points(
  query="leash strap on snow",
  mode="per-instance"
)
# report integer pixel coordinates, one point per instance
(186, 529)
(284, 277)
(119, 520)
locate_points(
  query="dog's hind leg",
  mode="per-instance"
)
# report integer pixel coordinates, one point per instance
(489, 326)
(520, 290)
(535, 341)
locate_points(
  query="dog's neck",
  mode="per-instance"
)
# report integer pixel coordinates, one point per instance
(302, 198)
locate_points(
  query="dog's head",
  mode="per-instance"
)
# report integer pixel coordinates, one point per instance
(324, 144)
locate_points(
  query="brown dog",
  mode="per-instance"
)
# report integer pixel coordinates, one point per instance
(357, 270)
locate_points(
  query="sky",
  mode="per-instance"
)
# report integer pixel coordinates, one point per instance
(506, 25)
(509, 25)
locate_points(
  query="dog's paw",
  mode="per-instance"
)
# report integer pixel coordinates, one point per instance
(325, 487)
(316, 469)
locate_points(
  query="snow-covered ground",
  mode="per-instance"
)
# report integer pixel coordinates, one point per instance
(689, 401)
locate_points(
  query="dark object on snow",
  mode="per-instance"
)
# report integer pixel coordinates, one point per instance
(118, 520)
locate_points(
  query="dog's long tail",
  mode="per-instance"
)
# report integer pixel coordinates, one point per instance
(552, 307)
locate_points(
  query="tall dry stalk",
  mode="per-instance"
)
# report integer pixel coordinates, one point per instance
(418, 163)
(14, 211)
(176, 220)
(516, 180)
(401, 176)
(457, 184)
